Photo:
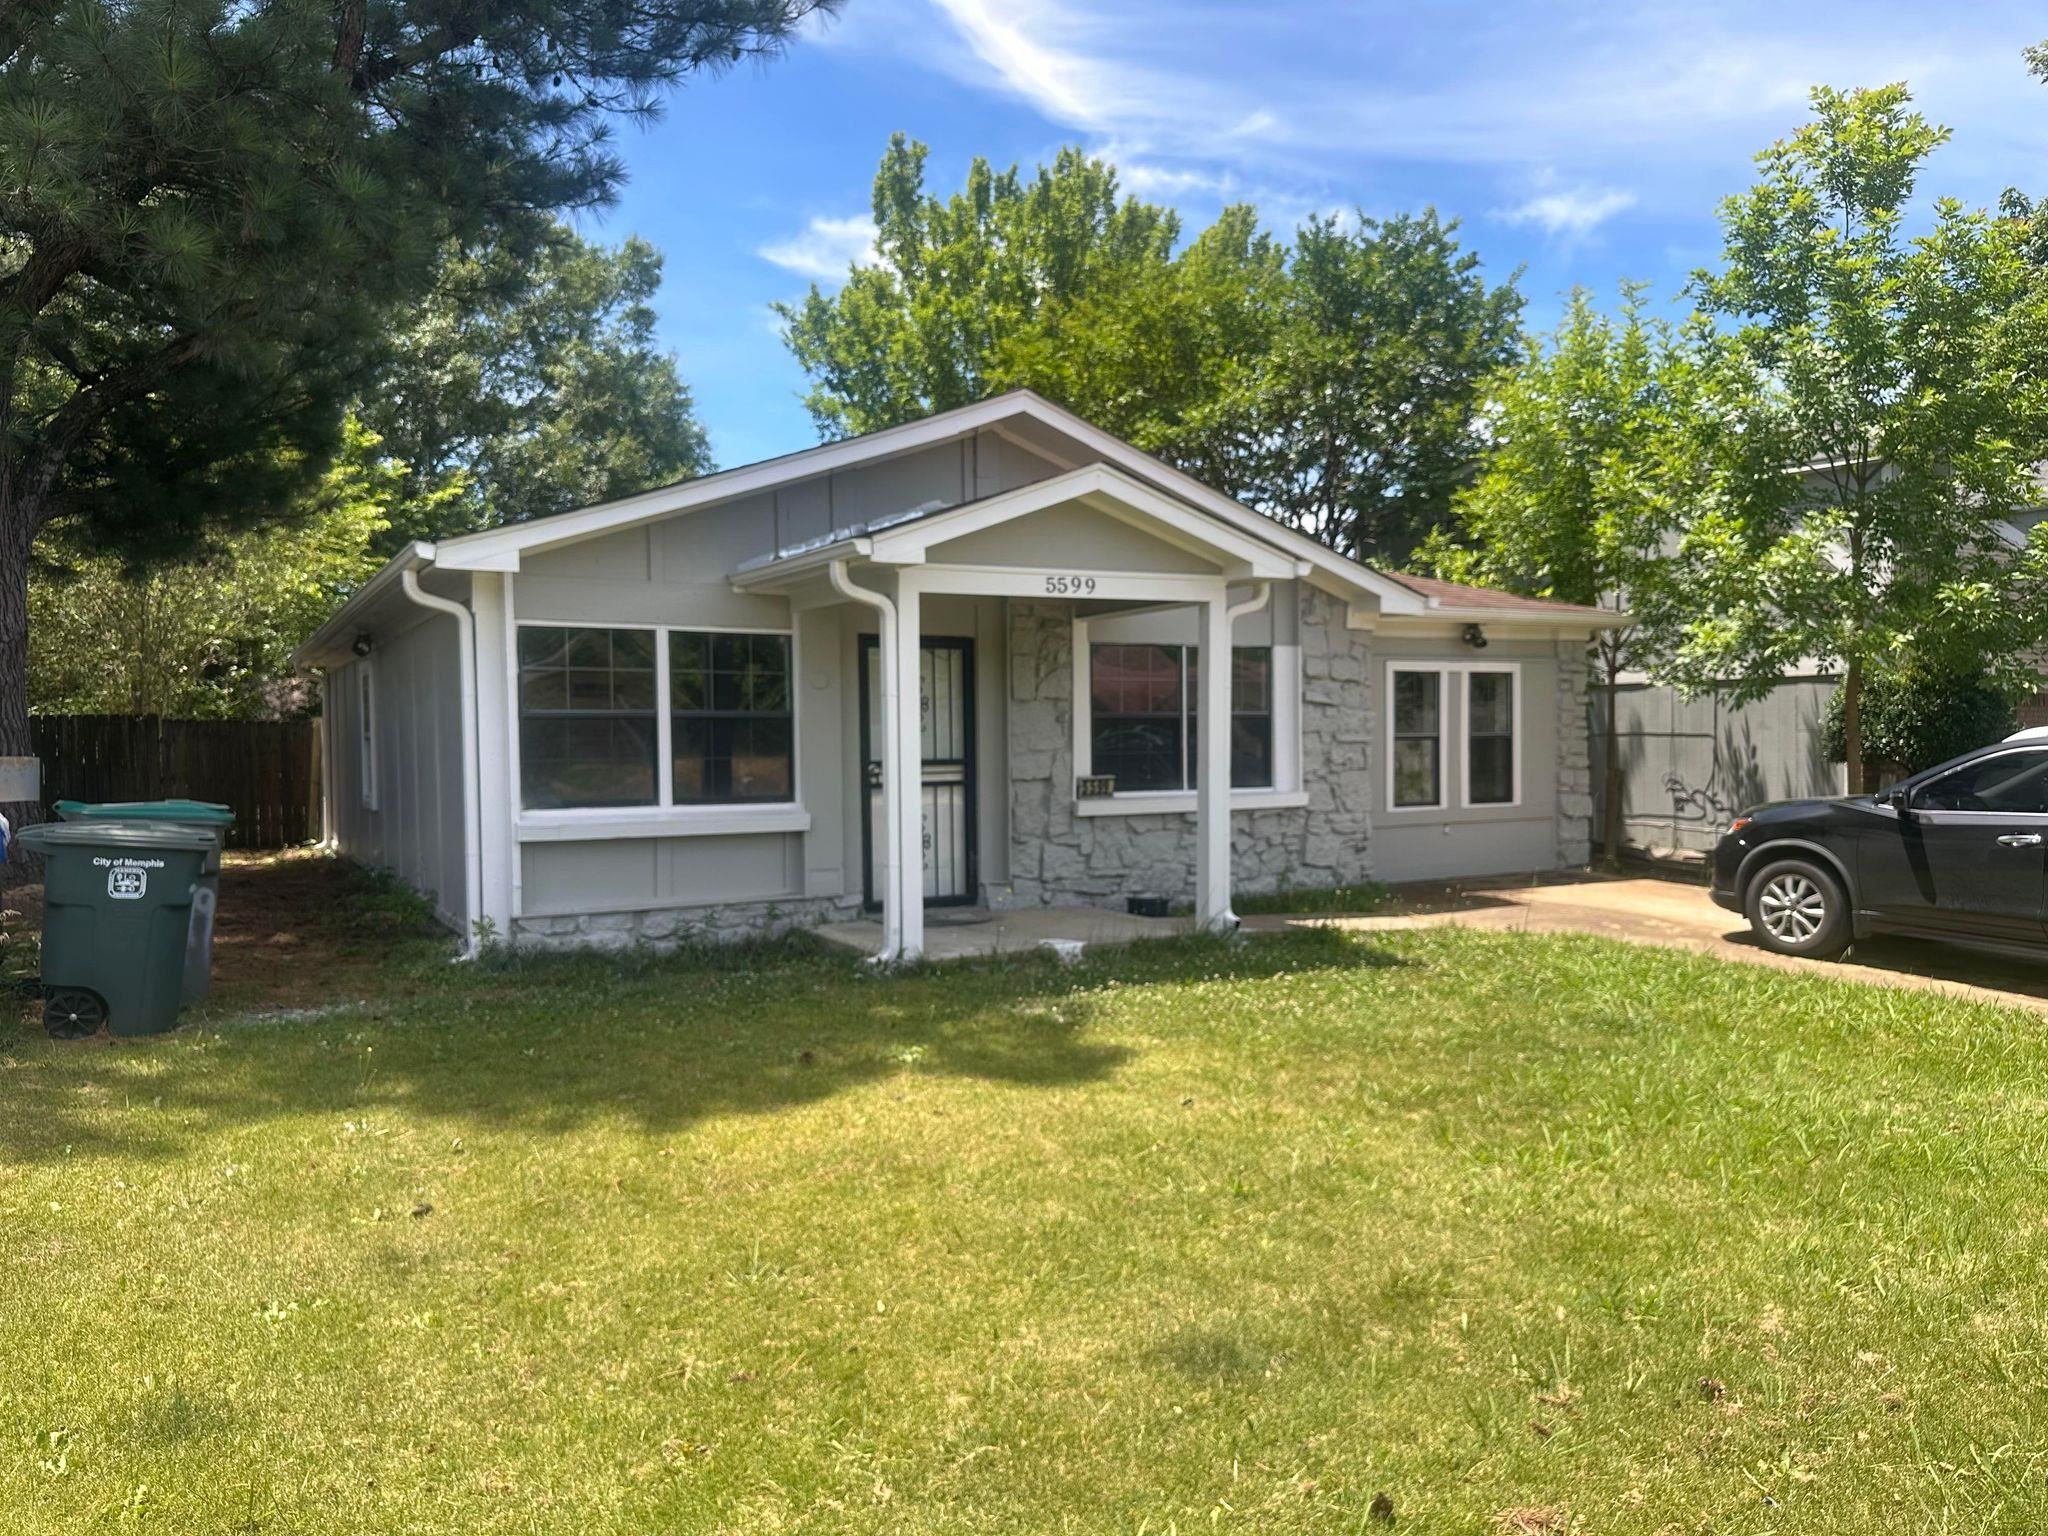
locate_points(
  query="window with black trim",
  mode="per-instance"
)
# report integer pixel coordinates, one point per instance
(1489, 738)
(1418, 739)
(732, 734)
(1143, 720)
(587, 720)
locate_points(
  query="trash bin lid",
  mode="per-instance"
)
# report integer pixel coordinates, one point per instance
(125, 836)
(146, 810)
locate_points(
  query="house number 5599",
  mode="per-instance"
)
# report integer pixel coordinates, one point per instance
(1069, 586)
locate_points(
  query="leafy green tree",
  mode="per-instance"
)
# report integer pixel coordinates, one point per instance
(1915, 717)
(919, 331)
(208, 209)
(206, 637)
(530, 383)
(1606, 437)
(1903, 392)
(1365, 410)
(1332, 385)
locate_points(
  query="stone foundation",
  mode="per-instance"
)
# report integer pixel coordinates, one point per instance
(665, 928)
(1059, 859)
(1574, 757)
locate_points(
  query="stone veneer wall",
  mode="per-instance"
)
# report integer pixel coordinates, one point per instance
(1574, 756)
(1059, 858)
(673, 927)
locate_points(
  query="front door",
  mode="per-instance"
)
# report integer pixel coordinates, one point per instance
(946, 714)
(1970, 854)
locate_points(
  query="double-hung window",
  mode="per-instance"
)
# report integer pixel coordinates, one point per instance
(1143, 725)
(1418, 763)
(732, 736)
(1490, 738)
(587, 724)
(1453, 736)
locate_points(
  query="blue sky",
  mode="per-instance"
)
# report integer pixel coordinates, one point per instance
(1586, 143)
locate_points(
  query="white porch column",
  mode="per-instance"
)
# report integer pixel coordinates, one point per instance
(496, 685)
(1212, 776)
(903, 769)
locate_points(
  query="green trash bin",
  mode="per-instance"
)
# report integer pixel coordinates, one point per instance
(117, 910)
(198, 816)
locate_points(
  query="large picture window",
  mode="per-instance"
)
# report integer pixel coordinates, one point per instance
(1418, 739)
(587, 723)
(731, 734)
(1143, 725)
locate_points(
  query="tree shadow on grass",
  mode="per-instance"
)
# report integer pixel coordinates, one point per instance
(545, 1045)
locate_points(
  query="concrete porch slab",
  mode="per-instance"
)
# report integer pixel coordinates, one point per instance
(971, 933)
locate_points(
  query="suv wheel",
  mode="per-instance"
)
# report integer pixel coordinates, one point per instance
(1796, 907)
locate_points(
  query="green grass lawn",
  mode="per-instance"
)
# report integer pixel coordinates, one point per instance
(1527, 1233)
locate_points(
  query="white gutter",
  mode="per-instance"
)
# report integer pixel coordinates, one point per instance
(1261, 594)
(895, 885)
(472, 854)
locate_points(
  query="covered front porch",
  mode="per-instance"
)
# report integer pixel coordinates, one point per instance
(1093, 541)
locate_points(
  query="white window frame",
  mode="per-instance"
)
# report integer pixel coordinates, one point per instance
(1454, 773)
(366, 732)
(1512, 670)
(664, 818)
(1286, 789)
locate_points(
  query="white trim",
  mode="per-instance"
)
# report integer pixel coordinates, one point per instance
(1513, 672)
(1168, 802)
(1283, 681)
(557, 823)
(472, 772)
(1448, 763)
(1105, 489)
(1439, 671)
(498, 846)
(596, 824)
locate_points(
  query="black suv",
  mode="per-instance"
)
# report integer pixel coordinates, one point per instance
(1954, 852)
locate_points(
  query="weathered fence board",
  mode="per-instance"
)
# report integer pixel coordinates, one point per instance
(267, 770)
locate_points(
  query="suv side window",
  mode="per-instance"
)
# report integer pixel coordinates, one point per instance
(2012, 782)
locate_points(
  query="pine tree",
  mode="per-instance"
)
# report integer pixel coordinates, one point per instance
(210, 211)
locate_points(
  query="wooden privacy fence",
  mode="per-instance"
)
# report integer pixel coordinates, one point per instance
(267, 770)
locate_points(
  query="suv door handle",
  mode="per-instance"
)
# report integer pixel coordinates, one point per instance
(2020, 840)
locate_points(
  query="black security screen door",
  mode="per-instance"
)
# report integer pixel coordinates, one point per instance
(946, 727)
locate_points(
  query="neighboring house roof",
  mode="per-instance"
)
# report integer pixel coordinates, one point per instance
(1450, 594)
(500, 549)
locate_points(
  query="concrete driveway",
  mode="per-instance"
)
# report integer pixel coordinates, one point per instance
(1677, 915)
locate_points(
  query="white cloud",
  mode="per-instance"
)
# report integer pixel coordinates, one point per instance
(1574, 212)
(825, 248)
(1199, 95)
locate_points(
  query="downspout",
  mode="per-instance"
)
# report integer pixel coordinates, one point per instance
(473, 852)
(894, 883)
(1262, 593)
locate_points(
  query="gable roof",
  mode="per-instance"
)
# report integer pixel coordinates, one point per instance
(1451, 594)
(500, 549)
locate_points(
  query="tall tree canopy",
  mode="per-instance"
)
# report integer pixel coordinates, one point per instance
(530, 382)
(206, 637)
(1902, 392)
(207, 208)
(1607, 438)
(1333, 384)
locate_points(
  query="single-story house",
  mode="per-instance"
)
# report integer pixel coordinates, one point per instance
(963, 661)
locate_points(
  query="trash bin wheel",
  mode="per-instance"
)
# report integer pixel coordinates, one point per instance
(72, 1013)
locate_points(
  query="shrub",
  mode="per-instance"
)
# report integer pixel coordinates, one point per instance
(1916, 717)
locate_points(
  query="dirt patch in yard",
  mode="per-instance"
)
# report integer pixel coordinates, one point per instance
(295, 929)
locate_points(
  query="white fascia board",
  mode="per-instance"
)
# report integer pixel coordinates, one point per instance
(499, 549)
(320, 646)
(1393, 597)
(1163, 515)
(490, 549)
